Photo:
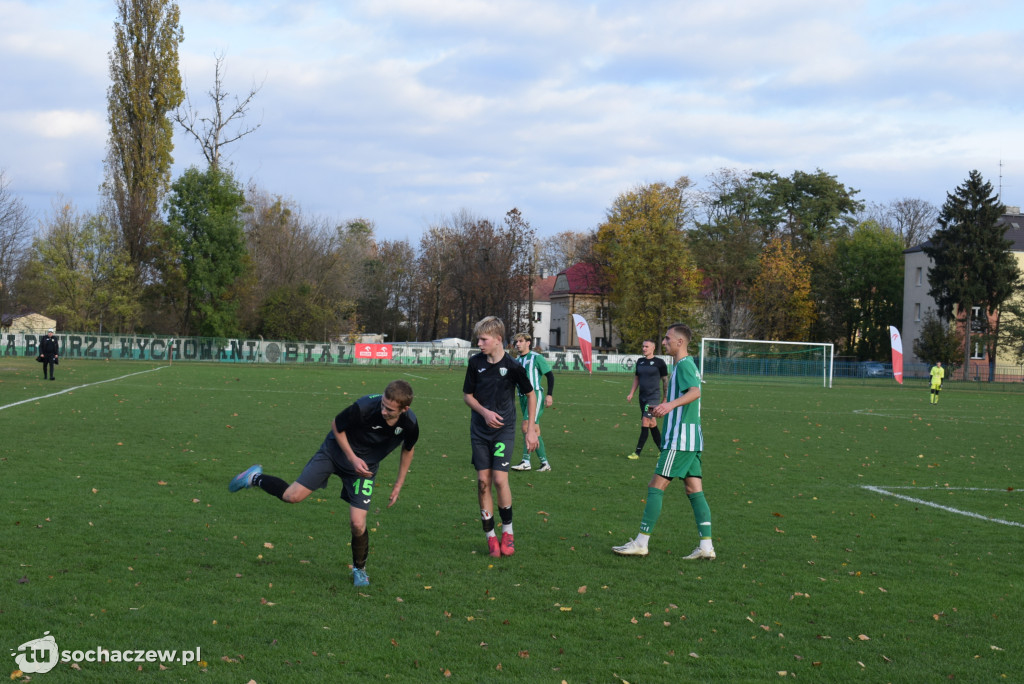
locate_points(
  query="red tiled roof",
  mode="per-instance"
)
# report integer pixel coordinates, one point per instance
(583, 278)
(542, 289)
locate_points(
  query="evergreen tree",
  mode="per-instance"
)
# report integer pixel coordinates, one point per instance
(971, 260)
(939, 341)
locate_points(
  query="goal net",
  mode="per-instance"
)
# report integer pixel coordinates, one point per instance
(767, 359)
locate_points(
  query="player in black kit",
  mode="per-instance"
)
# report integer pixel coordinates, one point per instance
(361, 437)
(651, 377)
(490, 390)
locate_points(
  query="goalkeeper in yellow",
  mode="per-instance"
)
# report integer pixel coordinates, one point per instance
(938, 373)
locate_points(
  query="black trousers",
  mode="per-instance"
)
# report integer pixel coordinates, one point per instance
(49, 363)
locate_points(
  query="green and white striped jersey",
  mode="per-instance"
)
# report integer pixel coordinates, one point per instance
(681, 429)
(536, 368)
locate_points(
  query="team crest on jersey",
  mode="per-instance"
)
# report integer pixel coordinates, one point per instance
(502, 371)
(398, 431)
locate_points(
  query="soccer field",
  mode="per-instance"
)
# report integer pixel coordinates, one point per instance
(862, 535)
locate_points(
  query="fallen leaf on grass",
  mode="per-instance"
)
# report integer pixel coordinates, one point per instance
(864, 637)
(582, 590)
(268, 545)
(524, 654)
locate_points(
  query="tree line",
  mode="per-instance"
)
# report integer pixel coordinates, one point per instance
(751, 254)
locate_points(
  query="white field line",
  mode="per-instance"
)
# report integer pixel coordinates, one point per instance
(418, 377)
(949, 509)
(72, 389)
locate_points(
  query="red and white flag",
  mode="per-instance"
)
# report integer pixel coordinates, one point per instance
(897, 354)
(586, 341)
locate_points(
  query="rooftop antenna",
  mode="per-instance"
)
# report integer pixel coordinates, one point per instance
(1000, 181)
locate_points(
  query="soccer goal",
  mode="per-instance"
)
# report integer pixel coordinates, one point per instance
(769, 359)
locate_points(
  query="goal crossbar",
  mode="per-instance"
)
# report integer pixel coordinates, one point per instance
(827, 353)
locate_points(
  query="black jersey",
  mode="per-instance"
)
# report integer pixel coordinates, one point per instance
(494, 386)
(649, 373)
(369, 435)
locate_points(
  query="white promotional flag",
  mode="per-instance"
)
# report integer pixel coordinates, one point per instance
(897, 354)
(586, 341)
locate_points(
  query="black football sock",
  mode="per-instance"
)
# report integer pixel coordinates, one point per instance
(360, 549)
(656, 434)
(643, 440)
(488, 521)
(271, 485)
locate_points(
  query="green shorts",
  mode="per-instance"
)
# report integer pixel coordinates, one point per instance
(524, 404)
(672, 463)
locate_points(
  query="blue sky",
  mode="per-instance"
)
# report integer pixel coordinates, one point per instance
(407, 111)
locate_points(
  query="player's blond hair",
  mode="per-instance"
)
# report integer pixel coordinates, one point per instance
(522, 336)
(491, 325)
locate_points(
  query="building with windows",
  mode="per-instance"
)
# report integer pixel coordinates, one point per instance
(580, 289)
(540, 306)
(917, 302)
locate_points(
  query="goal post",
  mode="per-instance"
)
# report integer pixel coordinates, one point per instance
(767, 359)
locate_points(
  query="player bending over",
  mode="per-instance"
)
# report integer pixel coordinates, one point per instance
(361, 437)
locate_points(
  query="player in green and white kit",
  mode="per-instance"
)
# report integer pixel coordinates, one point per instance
(681, 449)
(536, 367)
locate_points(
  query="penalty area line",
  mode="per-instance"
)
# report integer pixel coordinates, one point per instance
(948, 509)
(72, 389)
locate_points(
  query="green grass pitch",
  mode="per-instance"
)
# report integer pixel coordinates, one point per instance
(862, 535)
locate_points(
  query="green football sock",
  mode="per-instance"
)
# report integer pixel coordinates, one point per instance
(541, 451)
(702, 513)
(652, 511)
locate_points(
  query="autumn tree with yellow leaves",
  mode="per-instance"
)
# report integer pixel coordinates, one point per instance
(780, 298)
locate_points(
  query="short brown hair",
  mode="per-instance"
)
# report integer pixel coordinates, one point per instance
(491, 325)
(400, 392)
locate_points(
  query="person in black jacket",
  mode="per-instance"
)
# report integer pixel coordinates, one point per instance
(49, 349)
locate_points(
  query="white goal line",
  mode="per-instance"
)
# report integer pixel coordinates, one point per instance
(948, 509)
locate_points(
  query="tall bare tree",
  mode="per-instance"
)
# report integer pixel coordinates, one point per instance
(15, 239)
(913, 220)
(562, 250)
(211, 131)
(145, 87)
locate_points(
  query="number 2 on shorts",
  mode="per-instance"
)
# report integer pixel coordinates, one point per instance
(499, 450)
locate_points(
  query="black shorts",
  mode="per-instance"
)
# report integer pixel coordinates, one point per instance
(494, 452)
(645, 410)
(356, 490)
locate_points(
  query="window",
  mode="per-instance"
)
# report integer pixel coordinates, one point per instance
(917, 312)
(600, 342)
(920, 276)
(537, 316)
(978, 352)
